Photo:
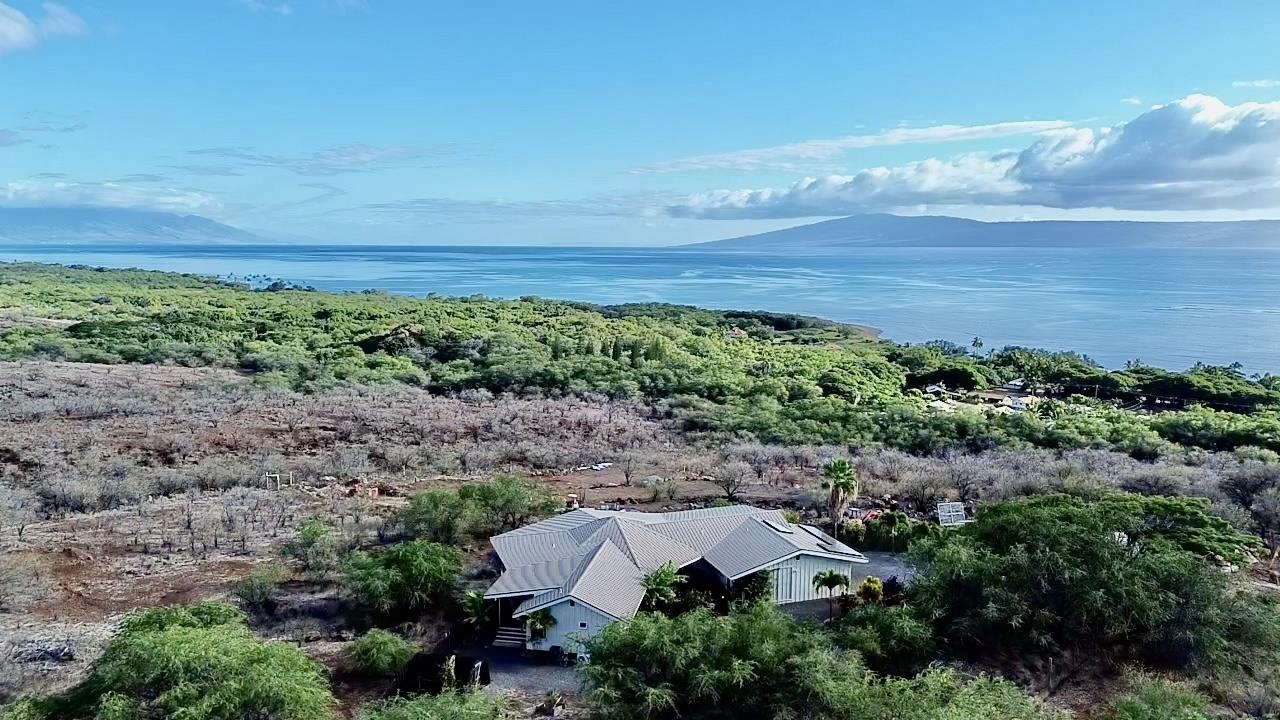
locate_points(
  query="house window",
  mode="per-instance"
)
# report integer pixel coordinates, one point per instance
(582, 625)
(572, 604)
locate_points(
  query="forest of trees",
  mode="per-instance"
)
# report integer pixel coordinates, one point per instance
(778, 378)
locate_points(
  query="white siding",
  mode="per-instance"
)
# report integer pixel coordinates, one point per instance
(793, 578)
(569, 621)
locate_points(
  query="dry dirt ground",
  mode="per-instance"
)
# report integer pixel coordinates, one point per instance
(131, 487)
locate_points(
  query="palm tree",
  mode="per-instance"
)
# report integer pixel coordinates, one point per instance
(662, 587)
(476, 610)
(830, 580)
(840, 479)
(976, 343)
(539, 623)
(892, 522)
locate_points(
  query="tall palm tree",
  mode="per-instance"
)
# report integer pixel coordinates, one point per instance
(839, 478)
(830, 580)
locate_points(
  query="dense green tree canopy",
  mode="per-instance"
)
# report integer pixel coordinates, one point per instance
(405, 578)
(780, 378)
(759, 663)
(1123, 575)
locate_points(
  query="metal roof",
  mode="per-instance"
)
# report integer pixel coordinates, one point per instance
(604, 579)
(761, 541)
(537, 577)
(600, 557)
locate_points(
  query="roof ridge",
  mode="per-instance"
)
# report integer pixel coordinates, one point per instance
(585, 564)
(643, 527)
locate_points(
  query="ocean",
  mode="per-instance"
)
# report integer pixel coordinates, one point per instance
(1170, 308)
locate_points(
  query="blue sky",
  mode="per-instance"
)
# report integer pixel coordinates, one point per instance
(655, 123)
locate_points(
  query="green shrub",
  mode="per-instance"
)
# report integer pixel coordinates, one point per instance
(446, 706)
(22, 709)
(1056, 573)
(316, 547)
(379, 653)
(406, 578)
(475, 510)
(1153, 698)
(257, 591)
(435, 515)
(199, 663)
(870, 590)
(199, 615)
(891, 640)
(941, 695)
(892, 531)
(114, 706)
(655, 666)
(759, 664)
(504, 503)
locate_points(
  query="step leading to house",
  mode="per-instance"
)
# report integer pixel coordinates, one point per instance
(509, 637)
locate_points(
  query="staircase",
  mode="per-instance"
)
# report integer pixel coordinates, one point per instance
(509, 637)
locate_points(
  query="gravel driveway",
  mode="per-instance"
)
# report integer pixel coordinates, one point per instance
(511, 671)
(883, 565)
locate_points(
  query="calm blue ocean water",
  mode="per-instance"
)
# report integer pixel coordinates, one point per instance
(1166, 307)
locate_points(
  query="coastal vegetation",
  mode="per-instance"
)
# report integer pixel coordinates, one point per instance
(335, 464)
(778, 378)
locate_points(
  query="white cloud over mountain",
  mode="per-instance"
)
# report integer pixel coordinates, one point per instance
(1196, 153)
(105, 194)
(793, 155)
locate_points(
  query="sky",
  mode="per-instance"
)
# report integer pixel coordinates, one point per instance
(662, 122)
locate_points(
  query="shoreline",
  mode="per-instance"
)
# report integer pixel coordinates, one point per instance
(1167, 319)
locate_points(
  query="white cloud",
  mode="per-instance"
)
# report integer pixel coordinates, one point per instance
(1255, 83)
(17, 32)
(277, 8)
(106, 194)
(1195, 154)
(483, 211)
(60, 21)
(792, 156)
(1131, 100)
(330, 161)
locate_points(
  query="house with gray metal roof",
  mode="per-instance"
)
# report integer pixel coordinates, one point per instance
(586, 568)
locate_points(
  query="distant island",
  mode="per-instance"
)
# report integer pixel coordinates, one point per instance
(882, 230)
(46, 225)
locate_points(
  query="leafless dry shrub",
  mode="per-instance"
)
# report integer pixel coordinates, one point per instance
(22, 584)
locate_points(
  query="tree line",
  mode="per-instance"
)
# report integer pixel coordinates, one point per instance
(780, 378)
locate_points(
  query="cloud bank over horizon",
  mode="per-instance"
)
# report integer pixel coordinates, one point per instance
(55, 192)
(792, 155)
(1197, 153)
